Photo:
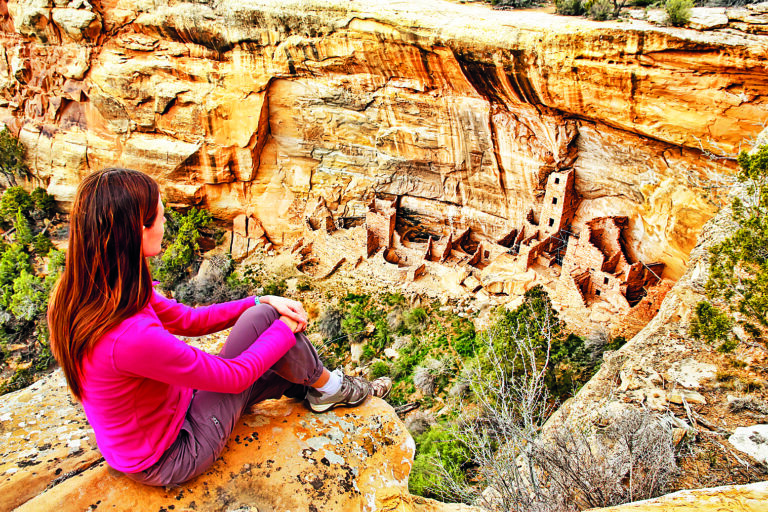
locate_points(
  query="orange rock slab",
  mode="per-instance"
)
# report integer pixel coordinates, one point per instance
(280, 456)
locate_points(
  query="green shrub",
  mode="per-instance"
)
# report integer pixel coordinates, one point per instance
(439, 443)
(24, 293)
(416, 320)
(23, 231)
(56, 261)
(182, 233)
(29, 297)
(393, 299)
(601, 10)
(710, 323)
(42, 244)
(379, 369)
(678, 12)
(45, 204)
(304, 285)
(13, 262)
(728, 346)
(739, 264)
(381, 338)
(276, 287)
(20, 379)
(616, 343)
(464, 339)
(14, 199)
(353, 323)
(368, 353)
(569, 7)
(11, 157)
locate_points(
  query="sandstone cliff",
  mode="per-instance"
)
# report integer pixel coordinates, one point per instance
(280, 457)
(264, 107)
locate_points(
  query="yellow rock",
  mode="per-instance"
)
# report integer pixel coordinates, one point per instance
(281, 456)
(733, 498)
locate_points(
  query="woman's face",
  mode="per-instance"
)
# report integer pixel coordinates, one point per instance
(152, 237)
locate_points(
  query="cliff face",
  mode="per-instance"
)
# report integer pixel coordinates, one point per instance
(259, 107)
(457, 115)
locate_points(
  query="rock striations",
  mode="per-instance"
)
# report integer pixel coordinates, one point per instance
(263, 107)
(269, 111)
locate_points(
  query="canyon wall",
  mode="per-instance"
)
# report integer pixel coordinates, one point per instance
(462, 112)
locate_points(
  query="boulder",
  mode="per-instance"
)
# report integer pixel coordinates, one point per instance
(708, 18)
(80, 25)
(752, 441)
(281, 456)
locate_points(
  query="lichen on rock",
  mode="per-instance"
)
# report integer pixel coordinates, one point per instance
(280, 456)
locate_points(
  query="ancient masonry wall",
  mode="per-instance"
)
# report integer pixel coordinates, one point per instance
(589, 267)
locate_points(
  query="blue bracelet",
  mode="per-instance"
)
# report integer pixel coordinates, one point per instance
(256, 299)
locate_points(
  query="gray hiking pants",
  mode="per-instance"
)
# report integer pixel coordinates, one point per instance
(212, 416)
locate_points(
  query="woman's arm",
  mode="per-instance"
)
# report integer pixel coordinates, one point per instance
(146, 349)
(183, 320)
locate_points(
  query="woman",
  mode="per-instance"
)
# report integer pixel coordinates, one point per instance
(161, 410)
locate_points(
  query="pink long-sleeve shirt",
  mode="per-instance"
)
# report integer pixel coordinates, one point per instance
(139, 378)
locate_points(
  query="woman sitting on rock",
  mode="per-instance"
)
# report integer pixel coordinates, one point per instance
(161, 410)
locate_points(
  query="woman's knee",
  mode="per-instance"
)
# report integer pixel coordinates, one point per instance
(261, 313)
(301, 364)
(251, 324)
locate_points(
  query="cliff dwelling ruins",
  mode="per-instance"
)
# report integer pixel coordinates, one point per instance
(588, 272)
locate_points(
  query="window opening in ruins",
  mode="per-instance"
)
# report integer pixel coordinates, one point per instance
(597, 292)
(351, 221)
(605, 280)
(551, 222)
(554, 200)
(557, 181)
(412, 227)
(469, 244)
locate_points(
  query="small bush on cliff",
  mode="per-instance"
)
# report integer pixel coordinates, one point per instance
(602, 10)
(739, 264)
(11, 157)
(45, 205)
(710, 323)
(514, 4)
(438, 443)
(182, 250)
(14, 199)
(25, 283)
(678, 12)
(569, 7)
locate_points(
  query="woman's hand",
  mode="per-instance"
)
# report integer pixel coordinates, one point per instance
(289, 308)
(290, 322)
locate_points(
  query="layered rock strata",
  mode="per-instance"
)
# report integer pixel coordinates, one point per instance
(291, 119)
(260, 108)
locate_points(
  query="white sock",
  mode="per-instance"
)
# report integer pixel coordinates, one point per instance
(333, 385)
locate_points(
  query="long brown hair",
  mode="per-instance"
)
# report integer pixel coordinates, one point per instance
(106, 278)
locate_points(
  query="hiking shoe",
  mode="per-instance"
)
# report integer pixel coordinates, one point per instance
(381, 387)
(353, 392)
